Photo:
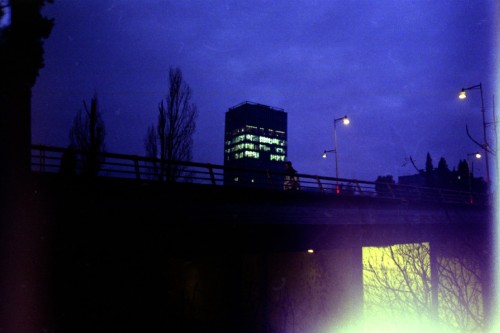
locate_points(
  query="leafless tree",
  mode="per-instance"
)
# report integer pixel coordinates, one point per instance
(172, 138)
(401, 276)
(151, 145)
(398, 281)
(461, 292)
(87, 136)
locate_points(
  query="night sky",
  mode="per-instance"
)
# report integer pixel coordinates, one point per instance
(394, 67)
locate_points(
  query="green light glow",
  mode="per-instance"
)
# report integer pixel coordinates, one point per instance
(381, 324)
(399, 292)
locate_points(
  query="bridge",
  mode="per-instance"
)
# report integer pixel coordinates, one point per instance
(189, 252)
(198, 195)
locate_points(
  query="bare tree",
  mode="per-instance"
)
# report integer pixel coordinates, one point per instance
(151, 145)
(398, 282)
(175, 128)
(87, 136)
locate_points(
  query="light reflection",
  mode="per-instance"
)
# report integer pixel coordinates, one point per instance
(414, 287)
(406, 324)
(397, 285)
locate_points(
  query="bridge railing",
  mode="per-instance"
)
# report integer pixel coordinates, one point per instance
(46, 159)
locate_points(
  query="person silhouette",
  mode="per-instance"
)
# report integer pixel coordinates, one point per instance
(291, 179)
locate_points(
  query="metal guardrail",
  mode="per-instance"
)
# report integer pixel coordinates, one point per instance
(46, 159)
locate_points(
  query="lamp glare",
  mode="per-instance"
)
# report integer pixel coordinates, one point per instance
(346, 121)
(462, 94)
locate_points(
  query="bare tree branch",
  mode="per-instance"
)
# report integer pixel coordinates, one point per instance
(175, 128)
(88, 136)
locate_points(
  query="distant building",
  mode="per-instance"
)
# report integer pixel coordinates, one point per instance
(460, 180)
(418, 179)
(255, 137)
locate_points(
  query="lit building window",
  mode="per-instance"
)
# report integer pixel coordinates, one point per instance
(255, 137)
(251, 154)
(264, 148)
(252, 137)
(279, 158)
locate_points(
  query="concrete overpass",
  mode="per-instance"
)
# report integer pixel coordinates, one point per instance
(122, 253)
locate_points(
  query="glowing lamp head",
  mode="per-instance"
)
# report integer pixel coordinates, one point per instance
(478, 155)
(324, 155)
(462, 94)
(346, 120)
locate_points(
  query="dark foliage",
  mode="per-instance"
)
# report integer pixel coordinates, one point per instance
(88, 136)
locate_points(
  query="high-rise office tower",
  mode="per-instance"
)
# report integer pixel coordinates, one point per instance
(255, 138)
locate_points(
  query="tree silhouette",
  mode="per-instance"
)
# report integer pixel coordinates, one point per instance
(461, 298)
(87, 136)
(443, 174)
(21, 58)
(460, 178)
(464, 181)
(429, 171)
(399, 273)
(397, 283)
(172, 138)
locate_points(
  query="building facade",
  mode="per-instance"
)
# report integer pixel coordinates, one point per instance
(255, 138)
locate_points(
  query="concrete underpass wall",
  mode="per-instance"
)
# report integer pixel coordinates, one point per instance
(204, 259)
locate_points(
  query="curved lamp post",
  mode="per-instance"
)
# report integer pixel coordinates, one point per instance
(345, 120)
(484, 145)
(470, 176)
(477, 155)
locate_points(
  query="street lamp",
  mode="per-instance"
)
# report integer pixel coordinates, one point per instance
(328, 151)
(345, 121)
(470, 176)
(484, 145)
(477, 155)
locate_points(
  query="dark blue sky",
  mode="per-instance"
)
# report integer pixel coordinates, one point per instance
(394, 67)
